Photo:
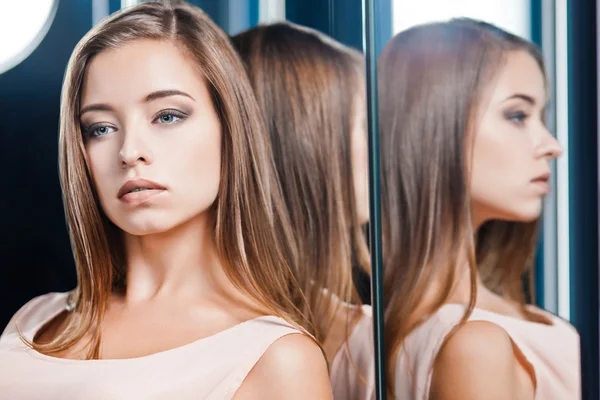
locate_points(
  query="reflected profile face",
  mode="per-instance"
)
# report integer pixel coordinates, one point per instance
(360, 159)
(512, 147)
(152, 136)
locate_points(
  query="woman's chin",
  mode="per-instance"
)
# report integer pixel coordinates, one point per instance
(524, 215)
(144, 228)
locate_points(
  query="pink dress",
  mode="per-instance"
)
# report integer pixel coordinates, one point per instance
(552, 350)
(210, 368)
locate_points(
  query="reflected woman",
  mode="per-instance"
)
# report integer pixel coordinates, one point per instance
(184, 281)
(465, 168)
(311, 90)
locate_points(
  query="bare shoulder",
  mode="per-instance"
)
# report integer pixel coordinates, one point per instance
(35, 311)
(478, 361)
(293, 367)
(293, 353)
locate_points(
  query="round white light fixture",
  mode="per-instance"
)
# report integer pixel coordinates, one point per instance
(23, 26)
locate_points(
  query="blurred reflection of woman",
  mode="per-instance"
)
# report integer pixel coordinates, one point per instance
(466, 155)
(185, 285)
(311, 90)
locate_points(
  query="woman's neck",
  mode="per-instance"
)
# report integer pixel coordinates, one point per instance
(181, 262)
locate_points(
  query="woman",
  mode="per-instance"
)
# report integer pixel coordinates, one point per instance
(311, 90)
(466, 156)
(184, 284)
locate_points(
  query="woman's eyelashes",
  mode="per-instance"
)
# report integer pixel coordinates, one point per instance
(516, 117)
(97, 130)
(169, 117)
(163, 117)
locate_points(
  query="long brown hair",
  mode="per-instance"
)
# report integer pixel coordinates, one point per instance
(307, 85)
(255, 254)
(431, 83)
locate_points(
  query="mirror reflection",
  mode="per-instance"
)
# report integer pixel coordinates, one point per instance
(468, 151)
(311, 92)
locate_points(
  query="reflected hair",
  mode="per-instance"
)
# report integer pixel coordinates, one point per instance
(309, 87)
(433, 79)
(254, 251)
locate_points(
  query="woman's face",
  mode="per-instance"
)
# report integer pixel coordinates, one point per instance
(512, 148)
(152, 136)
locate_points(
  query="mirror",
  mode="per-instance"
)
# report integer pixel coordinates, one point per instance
(309, 76)
(426, 260)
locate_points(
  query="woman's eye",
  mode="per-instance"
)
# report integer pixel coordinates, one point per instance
(169, 117)
(95, 131)
(517, 117)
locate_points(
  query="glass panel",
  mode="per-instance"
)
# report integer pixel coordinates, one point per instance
(324, 103)
(426, 97)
